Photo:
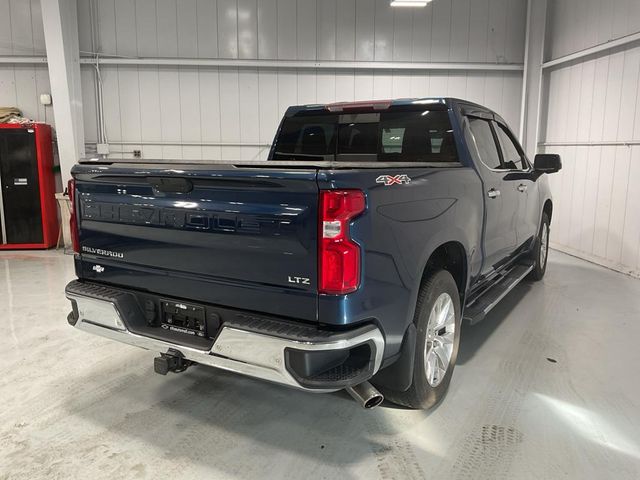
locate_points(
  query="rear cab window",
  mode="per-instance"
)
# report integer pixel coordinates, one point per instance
(392, 136)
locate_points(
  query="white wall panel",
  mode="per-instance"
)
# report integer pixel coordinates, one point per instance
(227, 29)
(187, 17)
(498, 20)
(8, 89)
(515, 44)
(36, 28)
(247, 29)
(382, 86)
(287, 89)
(306, 26)
(460, 28)
(190, 113)
(112, 113)
(245, 105)
(170, 122)
(146, 28)
(87, 86)
(363, 85)
(307, 88)
(440, 32)
(125, 22)
(402, 35)
(210, 111)
(150, 126)
(26, 88)
(596, 205)
(365, 30)
(400, 84)
(267, 104)
(631, 234)
(207, 28)
(21, 33)
(421, 34)
(345, 31)
(249, 91)
(229, 111)
(596, 100)
(21, 27)
(106, 27)
(595, 195)
(586, 103)
(479, 30)
(578, 24)
(326, 29)
(129, 103)
(326, 86)
(201, 105)
(287, 31)
(267, 29)
(445, 30)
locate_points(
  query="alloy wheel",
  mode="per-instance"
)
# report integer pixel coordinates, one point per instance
(440, 336)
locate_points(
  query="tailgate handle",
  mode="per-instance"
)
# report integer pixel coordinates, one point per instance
(170, 185)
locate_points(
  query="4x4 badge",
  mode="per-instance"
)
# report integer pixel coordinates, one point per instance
(393, 179)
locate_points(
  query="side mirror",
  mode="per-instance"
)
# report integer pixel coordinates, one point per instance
(547, 163)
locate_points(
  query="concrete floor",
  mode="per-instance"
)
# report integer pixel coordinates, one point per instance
(546, 387)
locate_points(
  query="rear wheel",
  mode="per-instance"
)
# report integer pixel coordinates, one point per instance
(541, 250)
(437, 320)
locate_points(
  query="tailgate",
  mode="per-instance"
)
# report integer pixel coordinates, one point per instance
(233, 236)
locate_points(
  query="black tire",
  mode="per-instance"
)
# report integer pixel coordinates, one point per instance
(540, 264)
(421, 394)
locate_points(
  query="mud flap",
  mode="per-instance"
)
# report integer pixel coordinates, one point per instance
(399, 375)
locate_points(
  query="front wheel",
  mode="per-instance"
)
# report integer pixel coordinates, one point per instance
(437, 320)
(541, 250)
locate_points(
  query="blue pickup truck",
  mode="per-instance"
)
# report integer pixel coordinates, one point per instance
(349, 260)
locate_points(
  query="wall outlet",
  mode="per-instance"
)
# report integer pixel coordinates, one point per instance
(102, 148)
(45, 99)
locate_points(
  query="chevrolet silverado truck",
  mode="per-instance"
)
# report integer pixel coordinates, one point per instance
(348, 260)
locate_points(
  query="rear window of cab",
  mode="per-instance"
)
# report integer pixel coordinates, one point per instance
(403, 136)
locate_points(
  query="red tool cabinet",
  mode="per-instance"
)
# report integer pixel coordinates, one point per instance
(28, 213)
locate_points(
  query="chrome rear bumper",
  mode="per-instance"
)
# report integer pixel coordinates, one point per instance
(235, 349)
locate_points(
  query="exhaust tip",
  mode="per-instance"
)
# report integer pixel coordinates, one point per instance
(366, 395)
(374, 401)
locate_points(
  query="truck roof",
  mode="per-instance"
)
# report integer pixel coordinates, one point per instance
(444, 102)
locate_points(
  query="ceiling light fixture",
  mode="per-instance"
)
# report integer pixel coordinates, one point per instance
(409, 3)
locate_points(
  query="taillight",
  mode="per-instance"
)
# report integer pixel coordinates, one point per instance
(73, 222)
(338, 254)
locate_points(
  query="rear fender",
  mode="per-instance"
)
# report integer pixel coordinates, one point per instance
(440, 238)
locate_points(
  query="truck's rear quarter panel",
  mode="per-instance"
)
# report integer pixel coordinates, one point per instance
(402, 226)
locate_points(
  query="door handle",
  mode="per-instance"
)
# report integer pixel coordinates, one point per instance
(522, 188)
(493, 193)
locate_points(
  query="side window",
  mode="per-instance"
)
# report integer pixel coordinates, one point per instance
(392, 140)
(487, 149)
(510, 152)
